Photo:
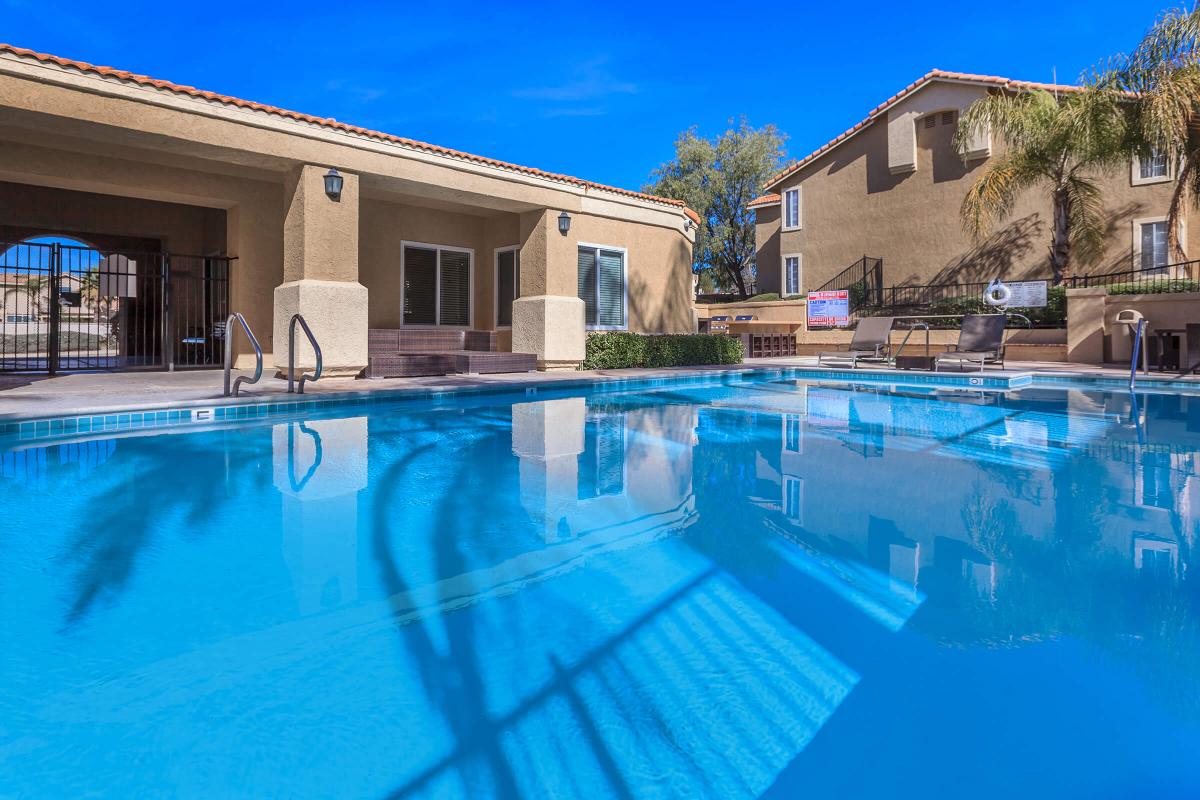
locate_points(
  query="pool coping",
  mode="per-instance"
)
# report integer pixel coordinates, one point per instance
(191, 413)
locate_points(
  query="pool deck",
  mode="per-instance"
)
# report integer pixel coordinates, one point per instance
(29, 396)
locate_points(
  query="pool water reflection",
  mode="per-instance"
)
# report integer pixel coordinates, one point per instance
(743, 589)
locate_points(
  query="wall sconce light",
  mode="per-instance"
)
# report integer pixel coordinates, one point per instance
(333, 185)
(688, 225)
(564, 223)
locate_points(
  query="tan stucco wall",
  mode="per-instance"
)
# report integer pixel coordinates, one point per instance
(853, 205)
(658, 270)
(65, 130)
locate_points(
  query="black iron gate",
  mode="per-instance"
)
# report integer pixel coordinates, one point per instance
(66, 307)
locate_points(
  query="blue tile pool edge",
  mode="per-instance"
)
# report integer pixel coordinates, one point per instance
(222, 410)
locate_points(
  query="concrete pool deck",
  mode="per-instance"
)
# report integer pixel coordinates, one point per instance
(29, 396)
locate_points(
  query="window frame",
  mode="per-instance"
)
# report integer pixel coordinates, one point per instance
(437, 285)
(1137, 241)
(783, 265)
(624, 284)
(783, 207)
(1135, 173)
(496, 281)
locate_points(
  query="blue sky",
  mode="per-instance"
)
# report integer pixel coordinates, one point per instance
(597, 90)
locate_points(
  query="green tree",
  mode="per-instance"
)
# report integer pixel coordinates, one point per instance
(1056, 143)
(1160, 82)
(718, 178)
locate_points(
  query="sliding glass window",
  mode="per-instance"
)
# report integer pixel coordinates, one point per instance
(437, 285)
(602, 286)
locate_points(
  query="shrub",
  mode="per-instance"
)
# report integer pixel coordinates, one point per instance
(623, 350)
(763, 298)
(1166, 286)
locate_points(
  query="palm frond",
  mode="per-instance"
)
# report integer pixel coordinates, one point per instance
(996, 190)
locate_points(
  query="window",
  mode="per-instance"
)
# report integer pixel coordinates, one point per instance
(791, 208)
(1154, 245)
(791, 275)
(436, 286)
(1153, 166)
(602, 285)
(508, 283)
(602, 462)
(793, 496)
(793, 433)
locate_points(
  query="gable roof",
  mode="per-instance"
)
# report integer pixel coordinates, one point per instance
(123, 76)
(932, 76)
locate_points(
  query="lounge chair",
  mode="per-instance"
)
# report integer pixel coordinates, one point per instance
(744, 318)
(718, 323)
(871, 342)
(980, 341)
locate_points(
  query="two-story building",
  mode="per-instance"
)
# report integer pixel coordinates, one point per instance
(891, 187)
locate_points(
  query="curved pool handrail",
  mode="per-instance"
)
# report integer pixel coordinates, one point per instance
(304, 376)
(258, 355)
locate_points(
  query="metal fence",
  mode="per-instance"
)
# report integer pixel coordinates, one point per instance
(73, 308)
(1181, 277)
(863, 280)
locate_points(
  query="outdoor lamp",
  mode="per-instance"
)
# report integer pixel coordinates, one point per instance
(333, 184)
(564, 223)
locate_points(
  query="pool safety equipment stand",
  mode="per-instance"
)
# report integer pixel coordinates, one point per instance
(1137, 328)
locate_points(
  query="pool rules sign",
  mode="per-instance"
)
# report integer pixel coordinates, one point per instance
(829, 309)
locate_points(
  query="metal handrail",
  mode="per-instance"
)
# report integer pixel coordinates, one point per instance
(258, 355)
(316, 375)
(920, 322)
(1137, 348)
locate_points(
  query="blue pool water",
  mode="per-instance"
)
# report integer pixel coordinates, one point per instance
(731, 590)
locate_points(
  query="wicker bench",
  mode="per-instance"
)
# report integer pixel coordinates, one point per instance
(404, 353)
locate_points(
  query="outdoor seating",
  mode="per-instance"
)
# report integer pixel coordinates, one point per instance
(871, 342)
(980, 341)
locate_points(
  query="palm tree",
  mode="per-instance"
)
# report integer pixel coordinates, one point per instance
(1057, 142)
(34, 287)
(1160, 82)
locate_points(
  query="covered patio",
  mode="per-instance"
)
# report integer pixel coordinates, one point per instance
(407, 235)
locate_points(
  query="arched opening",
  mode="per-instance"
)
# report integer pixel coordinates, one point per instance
(71, 302)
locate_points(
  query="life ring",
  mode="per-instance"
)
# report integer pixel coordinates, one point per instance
(997, 294)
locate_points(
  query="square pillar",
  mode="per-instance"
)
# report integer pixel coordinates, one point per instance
(1085, 325)
(548, 318)
(320, 275)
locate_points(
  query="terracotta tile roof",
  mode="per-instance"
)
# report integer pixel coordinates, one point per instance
(765, 200)
(332, 124)
(929, 77)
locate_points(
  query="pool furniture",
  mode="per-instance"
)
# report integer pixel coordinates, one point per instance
(980, 341)
(401, 353)
(871, 342)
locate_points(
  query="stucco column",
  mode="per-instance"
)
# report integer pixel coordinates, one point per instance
(1085, 325)
(320, 274)
(548, 437)
(548, 318)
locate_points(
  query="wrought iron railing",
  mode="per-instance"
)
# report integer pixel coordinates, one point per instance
(864, 281)
(1181, 277)
(66, 307)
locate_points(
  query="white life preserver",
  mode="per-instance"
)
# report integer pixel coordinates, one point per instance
(997, 294)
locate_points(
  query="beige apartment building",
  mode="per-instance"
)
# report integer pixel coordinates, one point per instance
(891, 188)
(415, 234)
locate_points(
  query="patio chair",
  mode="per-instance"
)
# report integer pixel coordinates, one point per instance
(744, 318)
(718, 323)
(980, 341)
(871, 342)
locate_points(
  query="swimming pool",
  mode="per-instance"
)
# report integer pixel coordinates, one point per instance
(732, 588)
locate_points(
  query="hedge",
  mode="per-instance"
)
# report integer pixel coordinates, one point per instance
(622, 350)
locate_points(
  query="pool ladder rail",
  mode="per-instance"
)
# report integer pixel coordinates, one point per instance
(312, 340)
(232, 390)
